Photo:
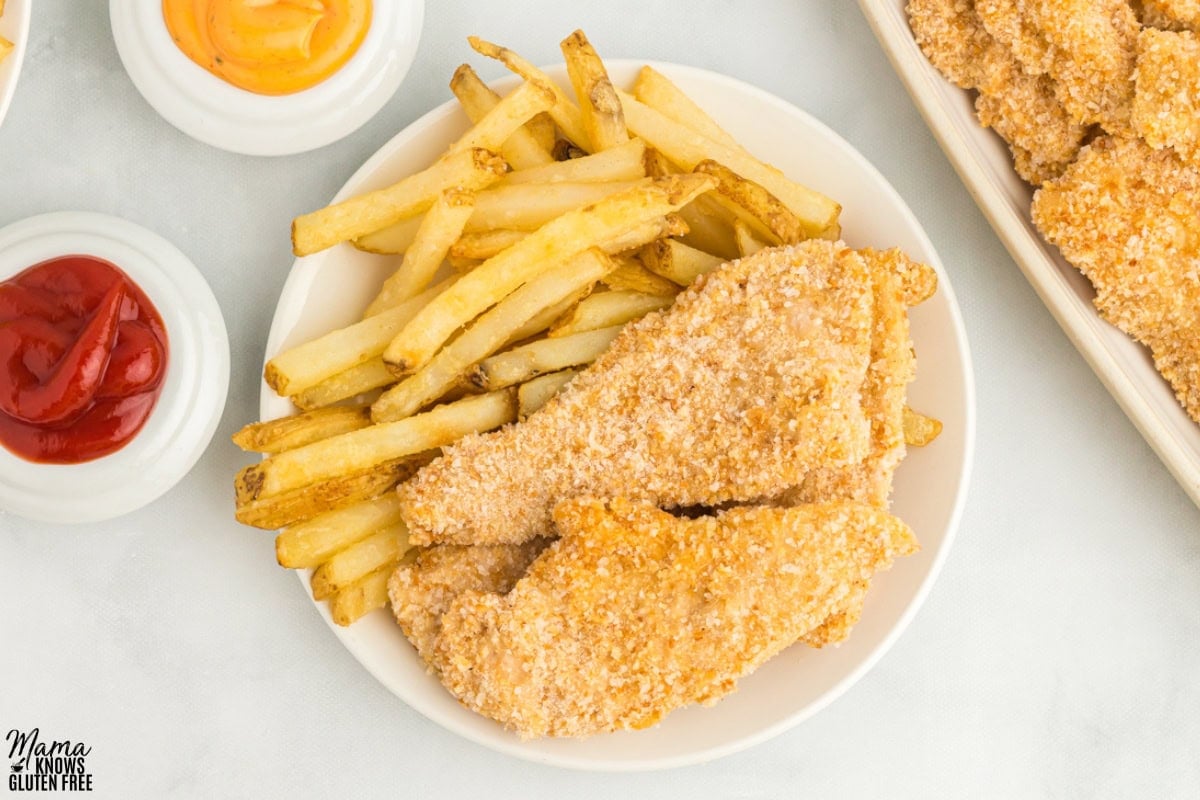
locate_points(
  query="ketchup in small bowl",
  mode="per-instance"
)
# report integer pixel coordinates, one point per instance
(83, 353)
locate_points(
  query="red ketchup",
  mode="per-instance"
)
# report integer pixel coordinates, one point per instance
(83, 353)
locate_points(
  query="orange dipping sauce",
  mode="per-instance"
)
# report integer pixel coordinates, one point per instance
(269, 46)
(83, 353)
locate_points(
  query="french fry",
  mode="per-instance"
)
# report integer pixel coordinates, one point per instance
(624, 162)
(440, 228)
(366, 377)
(540, 252)
(360, 598)
(748, 244)
(629, 274)
(467, 169)
(521, 150)
(565, 113)
(542, 129)
(668, 225)
(606, 309)
(920, 430)
(529, 206)
(396, 238)
(657, 91)
(686, 148)
(287, 433)
(485, 244)
(487, 334)
(303, 367)
(310, 543)
(773, 217)
(545, 318)
(536, 393)
(598, 103)
(508, 116)
(528, 361)
(371, 447)
(306, 502)
(676, 261)
(706, 232)
(376, 551)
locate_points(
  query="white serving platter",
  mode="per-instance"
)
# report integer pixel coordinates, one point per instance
(985, 166)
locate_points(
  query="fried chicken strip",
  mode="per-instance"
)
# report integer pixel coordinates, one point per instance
(1126, 216)
(634, 613)
(1166, 106)
(750, 381)
(1171, 15)
(420, 591)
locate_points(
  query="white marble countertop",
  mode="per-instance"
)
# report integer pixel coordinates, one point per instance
(1057, 656)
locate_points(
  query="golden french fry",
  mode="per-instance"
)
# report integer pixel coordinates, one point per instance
(468, 169)
(605, 309)
(542, 129)
(630, 275)
(565, 113)
(748, 244)
(294, 371)
(708, 232)
(686, 148)
(773, 217)
(598, 103)
(488, 334)
(310, 543)
(307, 502)
(371, 447)
(920, 430)
(536, 393)
(366, 377)
(508, 116)
(657, 91)
(287, 433)
(528, 361)
(376, 551)
(521, 150)
(529, 206)
(625, 162)
(483, 245)
(545, 318)
(677, 262)
(643, 234)
(396, 238)
(540, 252)
(360, 598)
(441, 227)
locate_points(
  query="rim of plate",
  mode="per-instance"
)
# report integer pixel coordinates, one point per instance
(187, 412)
(511, 745)
(219, 114)
(14, 24)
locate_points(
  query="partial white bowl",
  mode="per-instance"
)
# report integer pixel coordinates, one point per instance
(985, 166)
(193, 396)
(208, 109)
(331, 288)
(14, 26)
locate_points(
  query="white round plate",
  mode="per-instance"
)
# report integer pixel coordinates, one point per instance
(208, 109)
(330, 289)
(193, 395)
(14, 26)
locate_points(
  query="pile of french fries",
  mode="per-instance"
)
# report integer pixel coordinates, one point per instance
(521, 252)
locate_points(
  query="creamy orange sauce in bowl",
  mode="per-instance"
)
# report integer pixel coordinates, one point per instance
(269, 47)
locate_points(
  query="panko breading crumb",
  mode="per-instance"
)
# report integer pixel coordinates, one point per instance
(1166, 106)
(634, 613)
(751, 380)
(1128, 216)
(1023, 108)
(1171, 15)
(421, 590)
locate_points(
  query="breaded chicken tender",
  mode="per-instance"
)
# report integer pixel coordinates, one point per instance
(420, 591)
(1166, 106)
(750, 381)
(1171, 15)
(1023, 108)
(1128, 216)
(634, 613)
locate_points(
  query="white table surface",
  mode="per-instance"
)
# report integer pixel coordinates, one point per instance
(1058, 655)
